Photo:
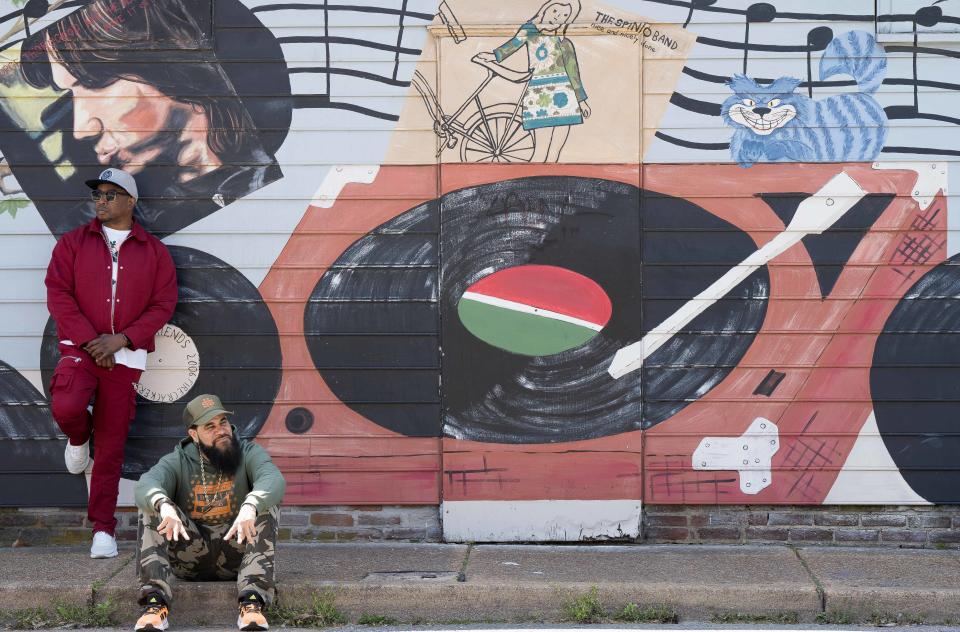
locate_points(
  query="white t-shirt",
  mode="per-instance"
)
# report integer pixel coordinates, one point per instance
(133, 358)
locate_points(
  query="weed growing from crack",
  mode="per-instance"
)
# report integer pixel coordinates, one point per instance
(632, 613)
(99, 615)
(323, 612)
(740, 617)
(585, 608)
(376, 619)
(885, 619)
(836, 617)
(28, 618)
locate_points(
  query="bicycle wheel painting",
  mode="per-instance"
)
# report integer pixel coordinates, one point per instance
(496, 134)
(529, 129)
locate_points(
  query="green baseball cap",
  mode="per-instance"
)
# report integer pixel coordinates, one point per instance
(202, 409)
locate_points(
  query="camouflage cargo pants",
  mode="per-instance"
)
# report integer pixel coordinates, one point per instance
(206, 556)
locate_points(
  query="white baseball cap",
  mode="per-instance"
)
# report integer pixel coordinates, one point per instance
(118, 177)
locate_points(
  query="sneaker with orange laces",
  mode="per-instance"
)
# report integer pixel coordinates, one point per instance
(154, 615)
(251, 614)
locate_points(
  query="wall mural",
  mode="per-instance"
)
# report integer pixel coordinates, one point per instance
(536, 262)
(775, 124)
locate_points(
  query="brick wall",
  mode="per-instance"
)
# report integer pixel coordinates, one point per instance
(49, 527)
(914, 527)
(360, 522)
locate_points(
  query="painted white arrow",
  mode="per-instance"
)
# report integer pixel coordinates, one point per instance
(814, 215)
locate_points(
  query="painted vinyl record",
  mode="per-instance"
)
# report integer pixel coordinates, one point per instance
(541, 281)
(31, 449)
(915, 383)
(221, 339)
(372, 325)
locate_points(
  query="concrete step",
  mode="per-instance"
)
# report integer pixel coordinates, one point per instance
(485, 583)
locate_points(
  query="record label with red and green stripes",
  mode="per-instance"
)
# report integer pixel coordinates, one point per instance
(535, 310)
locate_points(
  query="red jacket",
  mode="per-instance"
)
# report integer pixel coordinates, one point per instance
(79, 280)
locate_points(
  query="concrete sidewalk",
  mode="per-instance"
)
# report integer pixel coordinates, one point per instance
(492, 583)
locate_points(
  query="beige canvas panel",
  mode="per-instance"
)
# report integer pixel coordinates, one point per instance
(628, 67)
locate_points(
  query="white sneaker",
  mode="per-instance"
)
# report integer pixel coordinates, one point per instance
(76, 457)
(104, 545)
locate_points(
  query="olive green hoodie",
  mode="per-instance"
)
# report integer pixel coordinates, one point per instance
(177, 477)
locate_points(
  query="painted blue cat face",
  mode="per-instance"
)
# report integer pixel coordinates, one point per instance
(761, 109)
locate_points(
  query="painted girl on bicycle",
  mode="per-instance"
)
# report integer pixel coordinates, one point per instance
(554, 98)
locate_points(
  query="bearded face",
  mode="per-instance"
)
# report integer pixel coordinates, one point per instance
(223, 453)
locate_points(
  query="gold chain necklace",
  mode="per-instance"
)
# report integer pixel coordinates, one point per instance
(209, 503)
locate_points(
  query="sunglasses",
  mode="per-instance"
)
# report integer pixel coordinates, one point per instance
(110, 196)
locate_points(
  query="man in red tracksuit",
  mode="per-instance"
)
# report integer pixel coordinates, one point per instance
(110, 287)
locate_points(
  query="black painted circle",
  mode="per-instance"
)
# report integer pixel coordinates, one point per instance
(36, 8)
(915, 383)
(372, 321)
(819, 37)
(239, 352)
(761, 12)
(929, 16)
(299, 420)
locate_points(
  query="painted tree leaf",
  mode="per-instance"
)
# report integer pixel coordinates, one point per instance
(12, 206)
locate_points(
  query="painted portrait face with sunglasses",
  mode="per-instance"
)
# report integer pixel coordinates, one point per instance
(114, 206)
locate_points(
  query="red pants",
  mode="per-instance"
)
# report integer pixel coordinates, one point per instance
(76, 379)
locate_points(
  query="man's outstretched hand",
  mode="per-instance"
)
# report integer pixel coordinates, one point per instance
(171, 527)
(243, 526)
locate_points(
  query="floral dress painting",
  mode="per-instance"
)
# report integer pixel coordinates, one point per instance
(553, 94)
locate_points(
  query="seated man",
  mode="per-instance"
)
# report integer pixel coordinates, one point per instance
(208, 511)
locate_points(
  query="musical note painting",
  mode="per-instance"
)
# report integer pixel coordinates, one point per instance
(534, 263)
(882, 72)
